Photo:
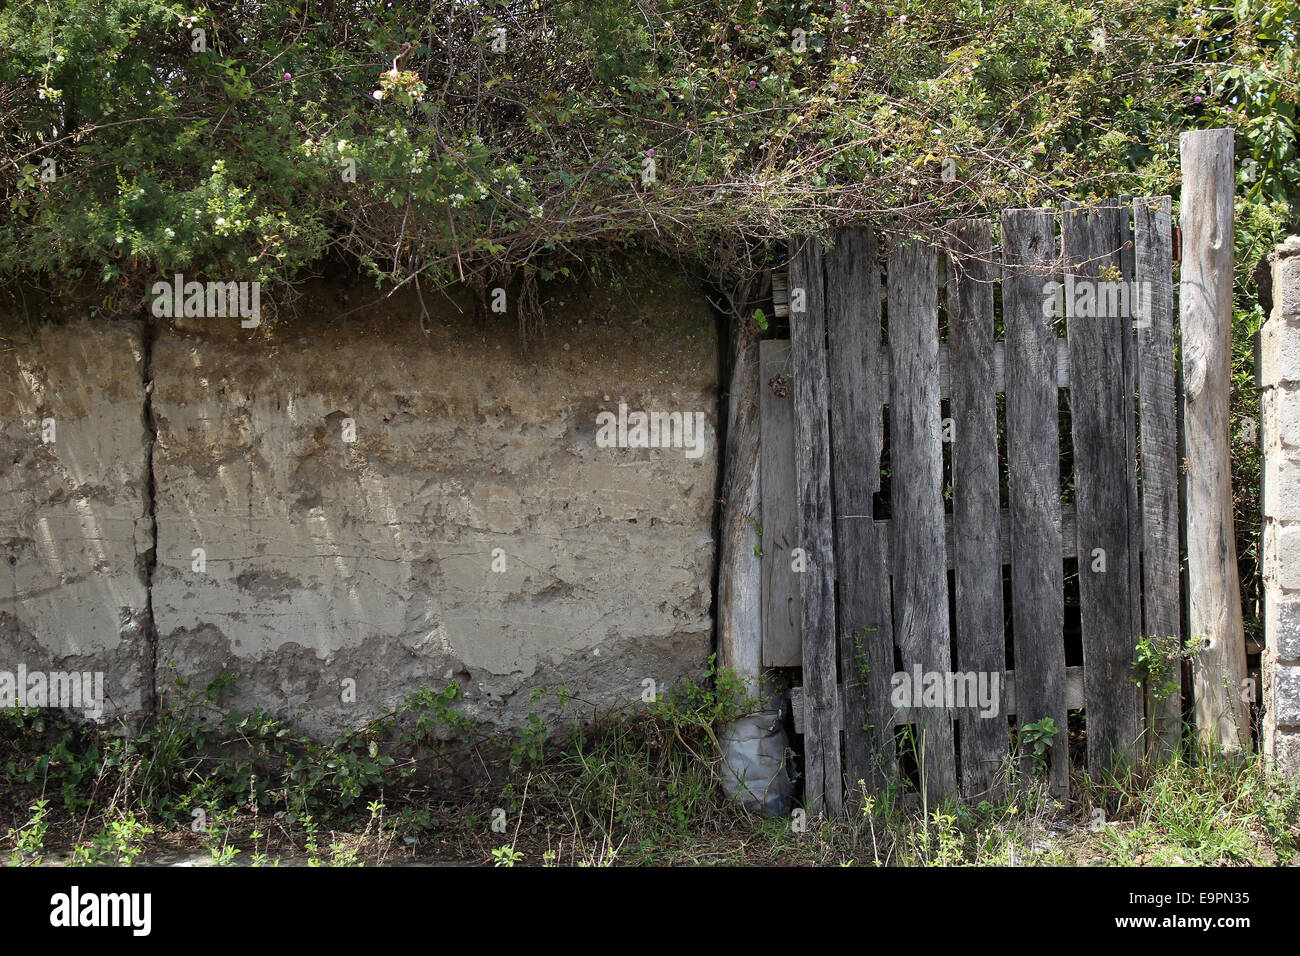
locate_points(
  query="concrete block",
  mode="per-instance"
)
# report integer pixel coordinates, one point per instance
(1279, 352)
(1281, 551)
(1282, 625)
(1286, 695)
(1281, 488)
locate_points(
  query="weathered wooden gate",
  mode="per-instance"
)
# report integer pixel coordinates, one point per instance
(865, 604)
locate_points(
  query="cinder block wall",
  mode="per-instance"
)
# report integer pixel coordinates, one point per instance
(1280, 401)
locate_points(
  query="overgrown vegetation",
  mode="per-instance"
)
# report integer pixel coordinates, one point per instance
(515, 143)
(489, 139)
(490, 142)
(618, 788)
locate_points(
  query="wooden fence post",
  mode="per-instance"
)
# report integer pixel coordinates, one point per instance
(823, 716)
(1205, 310)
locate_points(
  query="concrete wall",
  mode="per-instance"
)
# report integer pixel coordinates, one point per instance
(1280, 401)
(306, 563)
(75, 529)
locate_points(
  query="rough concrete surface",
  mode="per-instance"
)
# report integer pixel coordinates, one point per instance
(75, 530)
(1280, 412)
(302, 562)
(373, 560)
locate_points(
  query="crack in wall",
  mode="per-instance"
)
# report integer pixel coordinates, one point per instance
(149, 336)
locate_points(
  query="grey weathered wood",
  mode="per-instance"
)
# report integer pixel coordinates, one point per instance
(905, 715)
(1127, 262)
(980, 640)
(999, 352)
(822, 766)
(1205, 311)
(920, 583)
(780, 295)
(1033, 461)
(740, 579)
(1099, 406)
(1067, 534)
(781, 644)
(740, 631)
(999, 368)
(1158, 404)
(857, 430)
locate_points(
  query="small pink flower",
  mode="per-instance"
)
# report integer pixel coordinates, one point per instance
(753, 83)
(288, 76)
(1196, 99)
(650, 152)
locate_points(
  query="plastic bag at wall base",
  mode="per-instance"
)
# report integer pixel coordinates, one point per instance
(753, 765)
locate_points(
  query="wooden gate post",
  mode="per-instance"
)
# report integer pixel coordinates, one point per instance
(1205, 309)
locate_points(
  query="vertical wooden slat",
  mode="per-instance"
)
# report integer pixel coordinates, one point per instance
(781, 647)
(823, 718)
(1098, 411)
(916, 463)
(1130, 362)
(1033, 462)
(980, 644)
(1158, 401)
(1205, 318)
(857, 403)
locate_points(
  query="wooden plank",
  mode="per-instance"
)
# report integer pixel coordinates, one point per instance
(1158, 404)
(999, 368)
(857, 432)
(980, 640)
(1127, 263)
(1205, 314)
(1033, 462)
(822, 768)
(781, 644)
(1066, 529)
(1099, 406)
(779, 297)
(920, 583)
(740, 578)
(905, 715)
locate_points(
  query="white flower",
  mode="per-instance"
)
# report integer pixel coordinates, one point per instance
(169, 233)
(220, 221)
(378, 94)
